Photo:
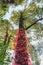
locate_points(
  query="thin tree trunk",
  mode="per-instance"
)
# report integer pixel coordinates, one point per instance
(6, 36)
(5, 39)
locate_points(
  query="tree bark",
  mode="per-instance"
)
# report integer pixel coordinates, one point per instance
(21, 21)
(6, 36)
(5, 39)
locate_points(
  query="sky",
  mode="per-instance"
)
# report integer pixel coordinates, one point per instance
(14, 8)
(8, 15)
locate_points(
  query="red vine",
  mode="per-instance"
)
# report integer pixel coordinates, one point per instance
(21, 49)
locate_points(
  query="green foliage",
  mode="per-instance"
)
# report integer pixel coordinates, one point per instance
(17, 2)
(16, 17)
(3, 9)
(3, 52)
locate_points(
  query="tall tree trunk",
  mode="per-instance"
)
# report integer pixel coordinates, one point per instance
(21, 51)
(21, 22)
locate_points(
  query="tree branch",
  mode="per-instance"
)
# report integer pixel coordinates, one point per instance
(33, 23)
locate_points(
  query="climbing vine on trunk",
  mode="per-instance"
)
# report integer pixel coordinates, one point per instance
(21, 49)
